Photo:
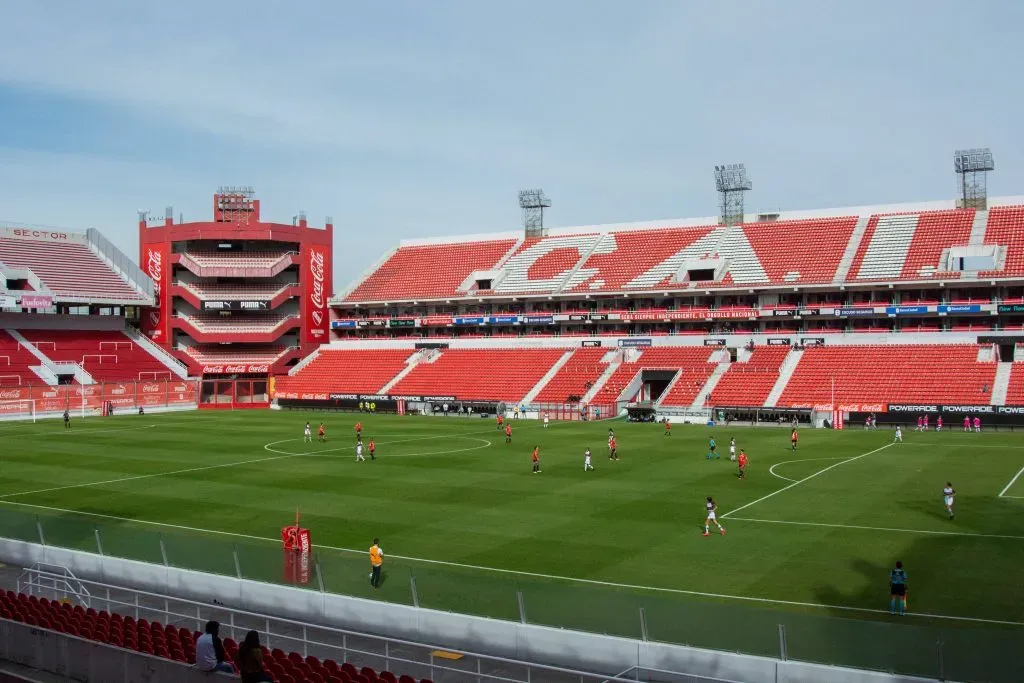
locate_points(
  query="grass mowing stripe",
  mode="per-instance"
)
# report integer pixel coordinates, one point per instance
(567, 579)
(808, 478)
(935, 532)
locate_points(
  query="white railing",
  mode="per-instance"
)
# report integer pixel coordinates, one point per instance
(325, 642)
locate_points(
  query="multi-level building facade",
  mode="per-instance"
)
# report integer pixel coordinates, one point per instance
(237, 297)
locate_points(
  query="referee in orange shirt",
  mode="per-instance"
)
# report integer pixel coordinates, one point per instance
(376, 562)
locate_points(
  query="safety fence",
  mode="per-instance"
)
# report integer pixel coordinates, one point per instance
(959, 650)
(24, 402)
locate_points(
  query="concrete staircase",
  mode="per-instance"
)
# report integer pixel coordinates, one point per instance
(422, 356)
(552, 371)
(173, 364)
(709, 386)
(1001, 385)
(613, 365)
(851, 250)
(978, 228)
(785, 372)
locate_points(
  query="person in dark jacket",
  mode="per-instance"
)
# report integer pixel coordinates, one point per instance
(250, 660)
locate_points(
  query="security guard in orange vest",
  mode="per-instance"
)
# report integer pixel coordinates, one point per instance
(376, 562)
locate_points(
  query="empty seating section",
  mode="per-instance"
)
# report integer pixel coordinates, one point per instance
(105, 355)
(68, 269)
(237, 259)
(692, 360)
(800, 251)
(236, 353)
(574, 378)
(177, 643)
(936, 232)
(232, 292)
(1006, 228)
(15, 362)
(904, 373)
(749, 383)
(216, 323)
(1015, 390)
(429, 271)
(479, 374)
(622, 256)
(359, 372)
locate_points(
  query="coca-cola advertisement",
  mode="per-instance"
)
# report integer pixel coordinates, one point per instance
(316, 276)
(156, 321)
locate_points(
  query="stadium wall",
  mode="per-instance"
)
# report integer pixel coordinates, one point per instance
(528, 642)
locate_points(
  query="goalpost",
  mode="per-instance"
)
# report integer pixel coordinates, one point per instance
(18, 409)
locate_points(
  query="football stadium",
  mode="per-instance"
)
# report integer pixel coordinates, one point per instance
(415, 445)
(740, 424)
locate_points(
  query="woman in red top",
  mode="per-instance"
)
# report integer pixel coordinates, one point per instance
(742, 462)
(793, 438)
(536, 459)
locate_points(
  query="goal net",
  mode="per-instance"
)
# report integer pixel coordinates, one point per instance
(18, 409)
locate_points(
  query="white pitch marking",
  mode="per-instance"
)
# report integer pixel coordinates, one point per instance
(569, 579)
(191, 469)
(879, 528)
(807, 478)
(1007, 488)
(771, 470)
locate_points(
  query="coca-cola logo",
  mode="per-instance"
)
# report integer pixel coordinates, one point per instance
(151, 388)
(13, 393)
(154, 265)
(316, 269)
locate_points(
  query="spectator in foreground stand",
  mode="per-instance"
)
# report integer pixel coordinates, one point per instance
(210, 654)
(250, 660)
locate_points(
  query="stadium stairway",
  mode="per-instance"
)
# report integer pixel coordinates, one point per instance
(709, 386)
(851, 250)
(422, 356)
(785, 372)
(1001, 386)
(978, 228)
(548, 376)
(50, 366)
(614, 362)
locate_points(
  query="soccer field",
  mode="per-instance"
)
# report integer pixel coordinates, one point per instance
(810, 537)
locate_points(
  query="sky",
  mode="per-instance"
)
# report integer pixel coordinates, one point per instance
(415, 119)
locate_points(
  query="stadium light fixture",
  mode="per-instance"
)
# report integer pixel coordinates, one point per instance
(533, 203)
(731, 182)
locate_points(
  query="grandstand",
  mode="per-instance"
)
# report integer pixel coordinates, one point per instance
(238, 298)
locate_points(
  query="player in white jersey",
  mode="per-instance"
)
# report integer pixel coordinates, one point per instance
(359, 452)
(899, 435)
(545, 420)
(712, 508)
(586, 461)
(949, 498)
(307, 434)
(732, 449)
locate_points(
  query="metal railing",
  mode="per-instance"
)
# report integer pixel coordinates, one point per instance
(433, 661)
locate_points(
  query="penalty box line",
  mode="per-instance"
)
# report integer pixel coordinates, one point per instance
(1002, 494)
(515, 572)
(805, 479)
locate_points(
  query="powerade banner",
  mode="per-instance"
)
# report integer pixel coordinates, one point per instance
(634, 343)
(971, 308)
(387, 397)
(536, 319)
(905, 310)
(915, 408)
(236, 305)
(316, 279)
(156, 320)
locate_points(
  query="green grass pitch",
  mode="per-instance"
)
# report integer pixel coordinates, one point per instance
(810, 537)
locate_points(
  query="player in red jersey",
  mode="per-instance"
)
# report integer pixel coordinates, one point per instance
(742, 462)
(508, 433)
(373, 448)
(321, 433)
(613, 451)
(501, 421)
(536, 459)
(359, 431)
(793, 438)
(668, 428)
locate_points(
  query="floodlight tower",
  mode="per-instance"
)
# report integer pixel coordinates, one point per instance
(973, 165)
(731, 182)
(533, 203)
